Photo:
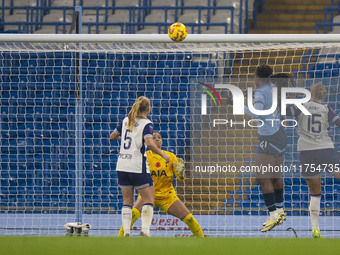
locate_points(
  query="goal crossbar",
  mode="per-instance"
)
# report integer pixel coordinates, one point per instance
(163, 38)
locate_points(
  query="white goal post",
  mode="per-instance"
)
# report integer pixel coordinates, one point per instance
(163, 38)
(62, 95)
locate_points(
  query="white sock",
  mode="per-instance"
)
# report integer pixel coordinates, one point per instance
(314, 209)
(146, 215)
(273, 215)
(126, 218)
(279, 210)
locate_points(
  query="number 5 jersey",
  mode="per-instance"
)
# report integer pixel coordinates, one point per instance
(132, 155)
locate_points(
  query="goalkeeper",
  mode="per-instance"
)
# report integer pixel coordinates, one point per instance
(165, 194)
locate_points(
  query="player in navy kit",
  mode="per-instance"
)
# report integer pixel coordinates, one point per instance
(272, 144)
(316, 148)
(136, 133)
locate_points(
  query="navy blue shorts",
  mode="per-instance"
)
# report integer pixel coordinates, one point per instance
(314, 162)
(272, 144)
(134, 180)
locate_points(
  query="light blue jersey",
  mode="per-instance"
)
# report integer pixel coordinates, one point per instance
(263, 100)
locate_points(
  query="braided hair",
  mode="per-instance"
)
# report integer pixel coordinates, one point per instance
(281, 80)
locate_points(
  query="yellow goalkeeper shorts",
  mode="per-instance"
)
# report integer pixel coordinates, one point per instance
(165, 201)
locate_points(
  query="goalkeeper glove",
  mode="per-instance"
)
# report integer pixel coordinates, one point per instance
(180, 168)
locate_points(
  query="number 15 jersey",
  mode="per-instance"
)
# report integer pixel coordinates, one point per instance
(132, 155)
(313, 129)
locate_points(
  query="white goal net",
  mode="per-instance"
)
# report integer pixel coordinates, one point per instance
(60, 101)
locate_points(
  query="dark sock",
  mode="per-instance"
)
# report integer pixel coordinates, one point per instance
(269, 199)
(278, 198)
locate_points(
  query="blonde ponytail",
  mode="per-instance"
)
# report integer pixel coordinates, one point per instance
(141, 105)
(318, 91)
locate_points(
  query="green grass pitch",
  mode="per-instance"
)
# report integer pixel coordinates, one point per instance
(163, 246)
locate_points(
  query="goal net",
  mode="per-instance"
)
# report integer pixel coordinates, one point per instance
(60, 100)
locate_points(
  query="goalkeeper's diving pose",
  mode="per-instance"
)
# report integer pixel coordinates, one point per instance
(165, 194)
(272, 144)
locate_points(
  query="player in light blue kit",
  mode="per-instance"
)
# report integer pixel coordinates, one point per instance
(136, 134)
(272, 144)
(316, 148)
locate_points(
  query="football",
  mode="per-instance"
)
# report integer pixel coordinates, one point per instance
(177, 32)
